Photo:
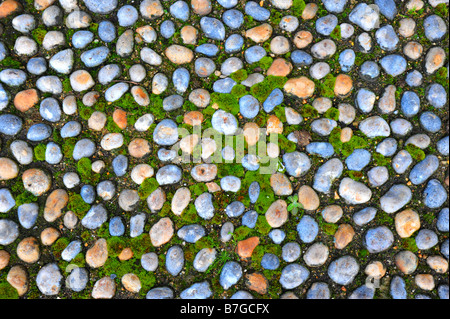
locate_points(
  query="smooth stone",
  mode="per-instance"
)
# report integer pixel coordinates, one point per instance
(343, 270)
(396, 198)
(327, 174)
(95, 217)
(293, 276)
(424, 169)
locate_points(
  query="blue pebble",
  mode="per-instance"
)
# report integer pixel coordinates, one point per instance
(274, 99)
(365, 100)
(230, 275)
(325, 25)
(234, 43)
(249, 163)
(424, 169)
(137, 224)
(50, 110)
(83, 148)
(82, 38)
(28, 214)
(307, 229)
(191, 233)
(253, 192)
(322, 149)
(363, 292)
(107, 31)
(38, 132)
(3, 51)
(120, 165)
(254, 54)
(180, 10)
(167, 29)
(378, 239)
(318, 290)
(387, 38)
(430, 122)
(270, 262)
(301, 58)
(414, 78)
(181, 79)
(435, 28)
(257, 12)
(71, 251)
(445, 248)
(249, 219)
(346, 60)
(160, 293)
(359, 159)
(95, 57)
(364, 216)
(87, 192)
(291, 252)
(387, 147)
(442, 146)
(393, 64)
(227, 4)
(207, 49)
(426, 239)
(53, 154)
(277, 236)
(443, 220)
(336, 6)
(197, 291)
(127, 16)
(436, 95)
(434, 194)
(95, 217)
(235, 209)
(175, 260)
(443, 292)
(398, 288)
(11, 124)
(388, 8)
(71, 129)
(370, 70)
(172, 102)
(401, 127)
(224, 85)
(213, 28)
(13, 77)
(37, 66)
(410, 104)
(233, 18)
(249, 106)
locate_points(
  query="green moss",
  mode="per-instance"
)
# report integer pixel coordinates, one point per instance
(239, 75)
(115, 246)
(329, 229)
(384, 219)
(336, 34)
(380, 160)
(59, 246)
(78, 205)
(297, 7)
(262, 226)
(241, 233)
(266, 195)
(7, 291)
(355, 175)
(429, 218)
(85, 112)
(84, 169)
(285, 144)
(332, 114)
(410, 244)
(345, 149)
(39, 35)
(148, 186)
(226, 102)
(39, 152)
(258, 254)
(68, 146)
(308, 111)
(415, 152)
(441, 77)
(239, 91)
(265, 63)
(25, 198)
(9, 62)
(262, 90)
(326, 86)
(442, 10)
(229, 170)
(93, 27)
(363, 254)
(206, 242)
(198, 189)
